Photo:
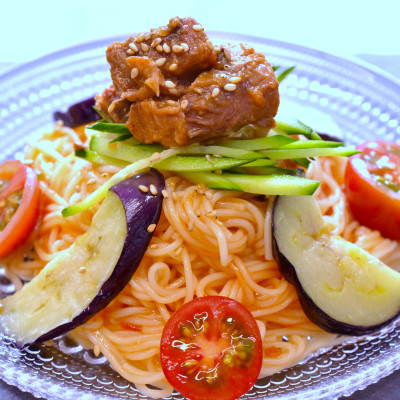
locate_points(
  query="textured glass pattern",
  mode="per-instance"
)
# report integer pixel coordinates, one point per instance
(363, 103)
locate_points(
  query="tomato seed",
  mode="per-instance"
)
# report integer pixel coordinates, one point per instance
(210, 380)
(227, 359)
(12, 203)
(190, 363)
(192, 371)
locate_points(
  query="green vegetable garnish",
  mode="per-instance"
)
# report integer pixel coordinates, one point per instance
(258, 184)
(243, 164)
(292, 126)
(284, 74)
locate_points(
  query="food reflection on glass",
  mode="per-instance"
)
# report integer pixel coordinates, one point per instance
(181, 231)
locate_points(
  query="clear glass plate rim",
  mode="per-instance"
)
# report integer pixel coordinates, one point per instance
(351, 61)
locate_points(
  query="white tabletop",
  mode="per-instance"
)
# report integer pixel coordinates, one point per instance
(31, 28)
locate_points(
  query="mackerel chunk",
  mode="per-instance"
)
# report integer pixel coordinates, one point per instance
(176, 52)
(172, 86)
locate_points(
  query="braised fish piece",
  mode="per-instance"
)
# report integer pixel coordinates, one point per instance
(119, 111)
(189, 90)
(141, 66)
(237, 92)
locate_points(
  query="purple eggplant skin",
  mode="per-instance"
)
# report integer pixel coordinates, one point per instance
(78, 114)
(313, 312)
(142, 210)
(331, 138)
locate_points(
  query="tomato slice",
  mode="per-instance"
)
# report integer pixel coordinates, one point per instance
(19, 204)
(372, 184)
(211, 349)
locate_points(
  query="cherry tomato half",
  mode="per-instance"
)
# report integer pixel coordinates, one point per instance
(19, 204)
(211, 349)
(372, 184)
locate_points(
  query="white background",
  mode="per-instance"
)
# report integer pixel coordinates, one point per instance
(32, 28)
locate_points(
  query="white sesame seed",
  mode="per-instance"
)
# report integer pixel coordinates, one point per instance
(155, 42)
(198, 28)
(218, 222)
(215, 92)
(227, 55)
(198, 90)
(153, 190)
(174, 196)
(161, 61)
(134, 73)
(209, 158)
(171, 102)
(169, 84)
(91, 181)
(151, 228)
(208, 195)
(155, 156)
(178, 251)
(185, 47)
(154, 246)
(235, 79)
(190, 226)
(166, 48)
(230, 87)
(139, 38)
(82, 270)
(184, 104)
(129, 52)
(217, 155)
(173, 67)
(173, 91)
(143, 188)
(165, 194)
(159, 48)
(144, 47)
(177, 49)
(111, 107)
(209, 44)
(147, 36)
(212, 213)
(133, 47)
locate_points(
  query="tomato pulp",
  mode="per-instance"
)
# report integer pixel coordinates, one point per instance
(211, 349)
(372, 184)
(19, 204)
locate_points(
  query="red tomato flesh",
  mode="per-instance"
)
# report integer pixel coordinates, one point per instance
(211, 349)
(372, 184)
(19, 204)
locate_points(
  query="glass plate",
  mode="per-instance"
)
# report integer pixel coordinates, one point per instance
(361, 104)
